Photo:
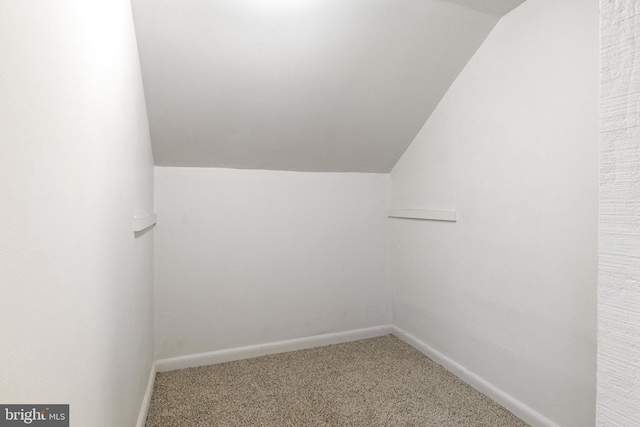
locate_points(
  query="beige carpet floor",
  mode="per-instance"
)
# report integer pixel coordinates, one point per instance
(369, 383)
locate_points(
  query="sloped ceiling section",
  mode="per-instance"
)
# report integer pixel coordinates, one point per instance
(302, 85)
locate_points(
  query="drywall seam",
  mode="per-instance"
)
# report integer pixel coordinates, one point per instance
(248, 352)
(146, 402)
(527, 414)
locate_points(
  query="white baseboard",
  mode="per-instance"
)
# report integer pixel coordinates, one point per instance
(530, 416)
(229, 355)
(144, 409)
(519, 409)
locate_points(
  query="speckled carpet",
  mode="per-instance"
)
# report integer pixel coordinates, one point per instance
(369, 383)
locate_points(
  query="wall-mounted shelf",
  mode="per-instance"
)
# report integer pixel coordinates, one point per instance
(142, 222)
(451, 216)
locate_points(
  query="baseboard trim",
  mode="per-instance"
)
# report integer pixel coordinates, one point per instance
(248, 352)
(519, 409)
(144, 409)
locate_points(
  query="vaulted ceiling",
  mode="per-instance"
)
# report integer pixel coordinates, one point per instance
(303, 85)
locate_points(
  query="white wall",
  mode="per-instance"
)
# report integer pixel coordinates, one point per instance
(618, 401)
(75, 166)
(509, 291)
(306, 85)
(245, 257)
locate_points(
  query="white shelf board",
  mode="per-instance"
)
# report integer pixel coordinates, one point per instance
(143, 222)
(451, 216)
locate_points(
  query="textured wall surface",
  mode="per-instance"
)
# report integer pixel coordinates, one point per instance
(618, 401)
